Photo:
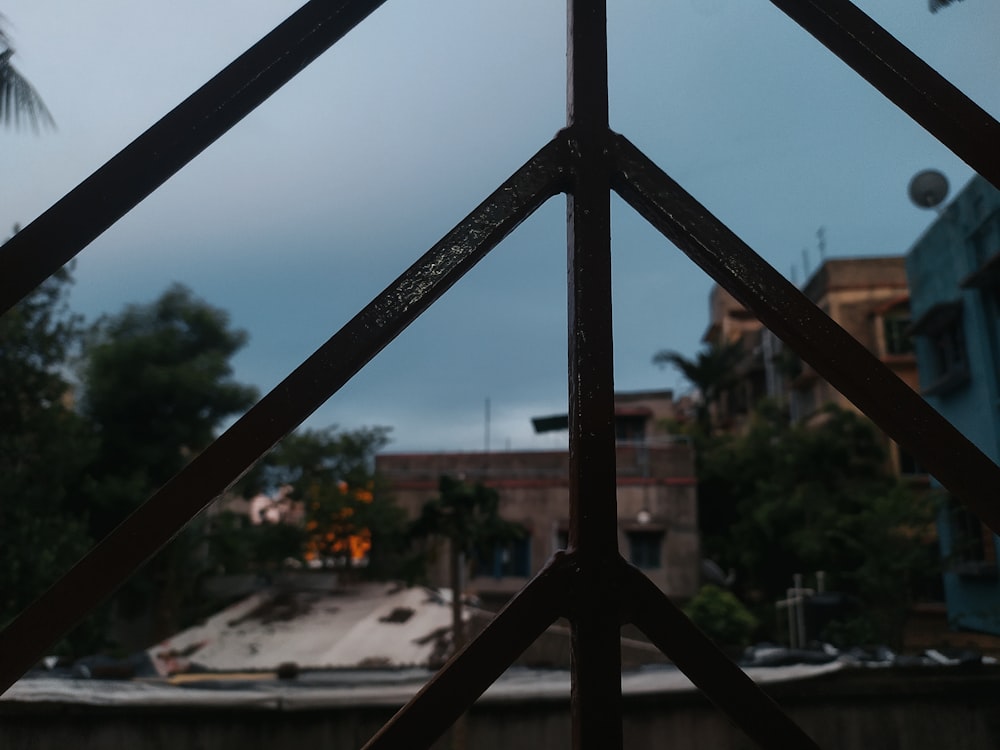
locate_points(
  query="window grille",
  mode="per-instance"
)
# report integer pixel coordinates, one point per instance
(590, 583)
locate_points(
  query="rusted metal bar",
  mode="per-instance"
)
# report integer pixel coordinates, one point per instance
(847, 365)
(154, 523)
(903, 78)
(724, 683)
(593, 517)
(594, 616)
(466, 676)
(590, 583)
(55, 237)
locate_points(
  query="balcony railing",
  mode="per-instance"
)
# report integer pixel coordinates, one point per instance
(590, 584)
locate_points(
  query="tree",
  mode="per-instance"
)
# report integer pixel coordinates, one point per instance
(234, 544)
(809, 498)
(44, 447)
(18, 97)
(722, 617)
(157, 384)
(349, 519)
(468, 518)
(712, 371)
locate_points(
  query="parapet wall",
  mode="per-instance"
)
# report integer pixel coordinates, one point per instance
(914, 709)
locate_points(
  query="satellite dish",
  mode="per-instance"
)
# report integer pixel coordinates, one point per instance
(928, 188)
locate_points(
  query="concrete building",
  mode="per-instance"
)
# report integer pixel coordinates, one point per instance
(759, 373)
(868, 297)
(657, 499)
(954, 276)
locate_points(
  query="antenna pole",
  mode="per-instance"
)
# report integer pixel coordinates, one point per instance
(486, 436)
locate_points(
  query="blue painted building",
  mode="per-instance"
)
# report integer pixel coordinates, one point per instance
(954, 276)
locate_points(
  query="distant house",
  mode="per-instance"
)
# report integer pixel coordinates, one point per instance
(954, 276)
(868, 297)
(657, 499)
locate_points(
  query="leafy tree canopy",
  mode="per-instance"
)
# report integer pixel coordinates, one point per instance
(156, 382)
(350, 521)
(44, 446)
(712, 371)
(157, 385)
(785, 499)
(721, 616)
(467, 516)
(308, 457)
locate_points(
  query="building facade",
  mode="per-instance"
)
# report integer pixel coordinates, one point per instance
(656, 492)
(868, 297)
(954, 277)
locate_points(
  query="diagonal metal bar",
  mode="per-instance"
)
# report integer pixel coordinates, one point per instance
(72, 223)
(903, 78)
(154, 523)
(595, 628)
(847, 365)
(467, 675)
(724, 683)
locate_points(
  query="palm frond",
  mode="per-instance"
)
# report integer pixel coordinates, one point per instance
(18, 98)
(712, 370)
(936, 5)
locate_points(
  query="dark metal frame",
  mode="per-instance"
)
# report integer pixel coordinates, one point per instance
(590, 584)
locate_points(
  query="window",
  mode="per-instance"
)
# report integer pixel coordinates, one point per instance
(630, 428)
(951, 364)
(986, 239)
(645, 549)
(942, 328)
(896, 327)
(972, 550)
(503, 560)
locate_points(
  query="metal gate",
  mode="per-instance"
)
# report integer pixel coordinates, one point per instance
(590, 583)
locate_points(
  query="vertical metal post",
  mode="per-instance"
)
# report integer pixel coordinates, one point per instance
(596, 692)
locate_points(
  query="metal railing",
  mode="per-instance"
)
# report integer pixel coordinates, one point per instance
(590, 584)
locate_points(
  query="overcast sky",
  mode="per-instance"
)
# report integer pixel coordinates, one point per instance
(322, 196)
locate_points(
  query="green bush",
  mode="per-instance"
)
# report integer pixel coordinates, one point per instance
(721, 616)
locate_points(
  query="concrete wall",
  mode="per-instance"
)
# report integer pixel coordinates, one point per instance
(920, 709)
